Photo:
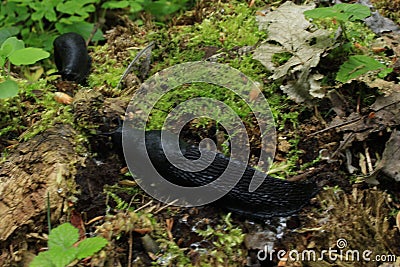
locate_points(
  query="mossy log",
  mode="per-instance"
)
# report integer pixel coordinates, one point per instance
(43, 166)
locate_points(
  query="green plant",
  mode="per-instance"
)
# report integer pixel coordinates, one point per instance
(38, 22)
(281, 58)
(64, 247)
(159, 8)
(358, 65)
(13, 51)
(227, 241)
(343, 14)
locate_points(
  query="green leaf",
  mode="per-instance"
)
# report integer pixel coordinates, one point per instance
(135, 7)
(72, 20)
(90, 246)
(63, 236)
(355, 11)
(43, 9)
(42, 260)
(385, 72)
(162, 8)
(7, 32)
(343, 12)
(10, 45)
(28, 56)
(61, 256)
(83, 28)
(8, 88)
(356, 66)
(43, 40)
(115, 4)
(77, 7)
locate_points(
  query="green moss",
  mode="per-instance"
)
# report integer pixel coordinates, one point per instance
(174, 97)
(227, 240)
(113, 192)
(234, 25)
(106, 71)
(226, 248)
(281, 58)
(35, 102)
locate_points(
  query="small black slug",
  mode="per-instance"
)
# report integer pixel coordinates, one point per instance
(275, 197)
(71, 57)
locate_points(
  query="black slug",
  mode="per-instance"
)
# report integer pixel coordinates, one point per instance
(275, 197)
(71, 57)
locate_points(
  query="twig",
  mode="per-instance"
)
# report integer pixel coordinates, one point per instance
(130, 242)
(369, 161)
(336, 126)
(144, 206)
(134, 61)
(388, 105)
(354, 120)
(93, 32)
(342, 144)
(166, 206)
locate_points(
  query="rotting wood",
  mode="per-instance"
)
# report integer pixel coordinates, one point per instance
(45, 164)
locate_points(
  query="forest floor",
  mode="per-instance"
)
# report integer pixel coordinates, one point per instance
(347, 139)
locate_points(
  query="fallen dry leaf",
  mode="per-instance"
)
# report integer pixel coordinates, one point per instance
(299, 38)
(62, 98)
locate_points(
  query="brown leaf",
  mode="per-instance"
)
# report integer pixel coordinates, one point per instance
(62, 98)
(254, 93)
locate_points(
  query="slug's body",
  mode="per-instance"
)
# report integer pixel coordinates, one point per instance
(274, 197)
(71, 57)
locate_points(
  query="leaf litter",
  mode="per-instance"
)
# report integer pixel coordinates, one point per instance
(302, 81)
(303, 41)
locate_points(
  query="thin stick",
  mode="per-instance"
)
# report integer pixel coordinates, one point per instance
(166, 206)
(134, 61)
(144, 206)
(48, 212)
(336, 126)
(369, 161)
(130, 242)
(354, 120)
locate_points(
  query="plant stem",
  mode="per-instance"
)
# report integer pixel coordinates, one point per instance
(342, 25)
(48, 212)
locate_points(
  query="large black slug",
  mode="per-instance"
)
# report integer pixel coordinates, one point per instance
(275, 197)
(71, 57)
